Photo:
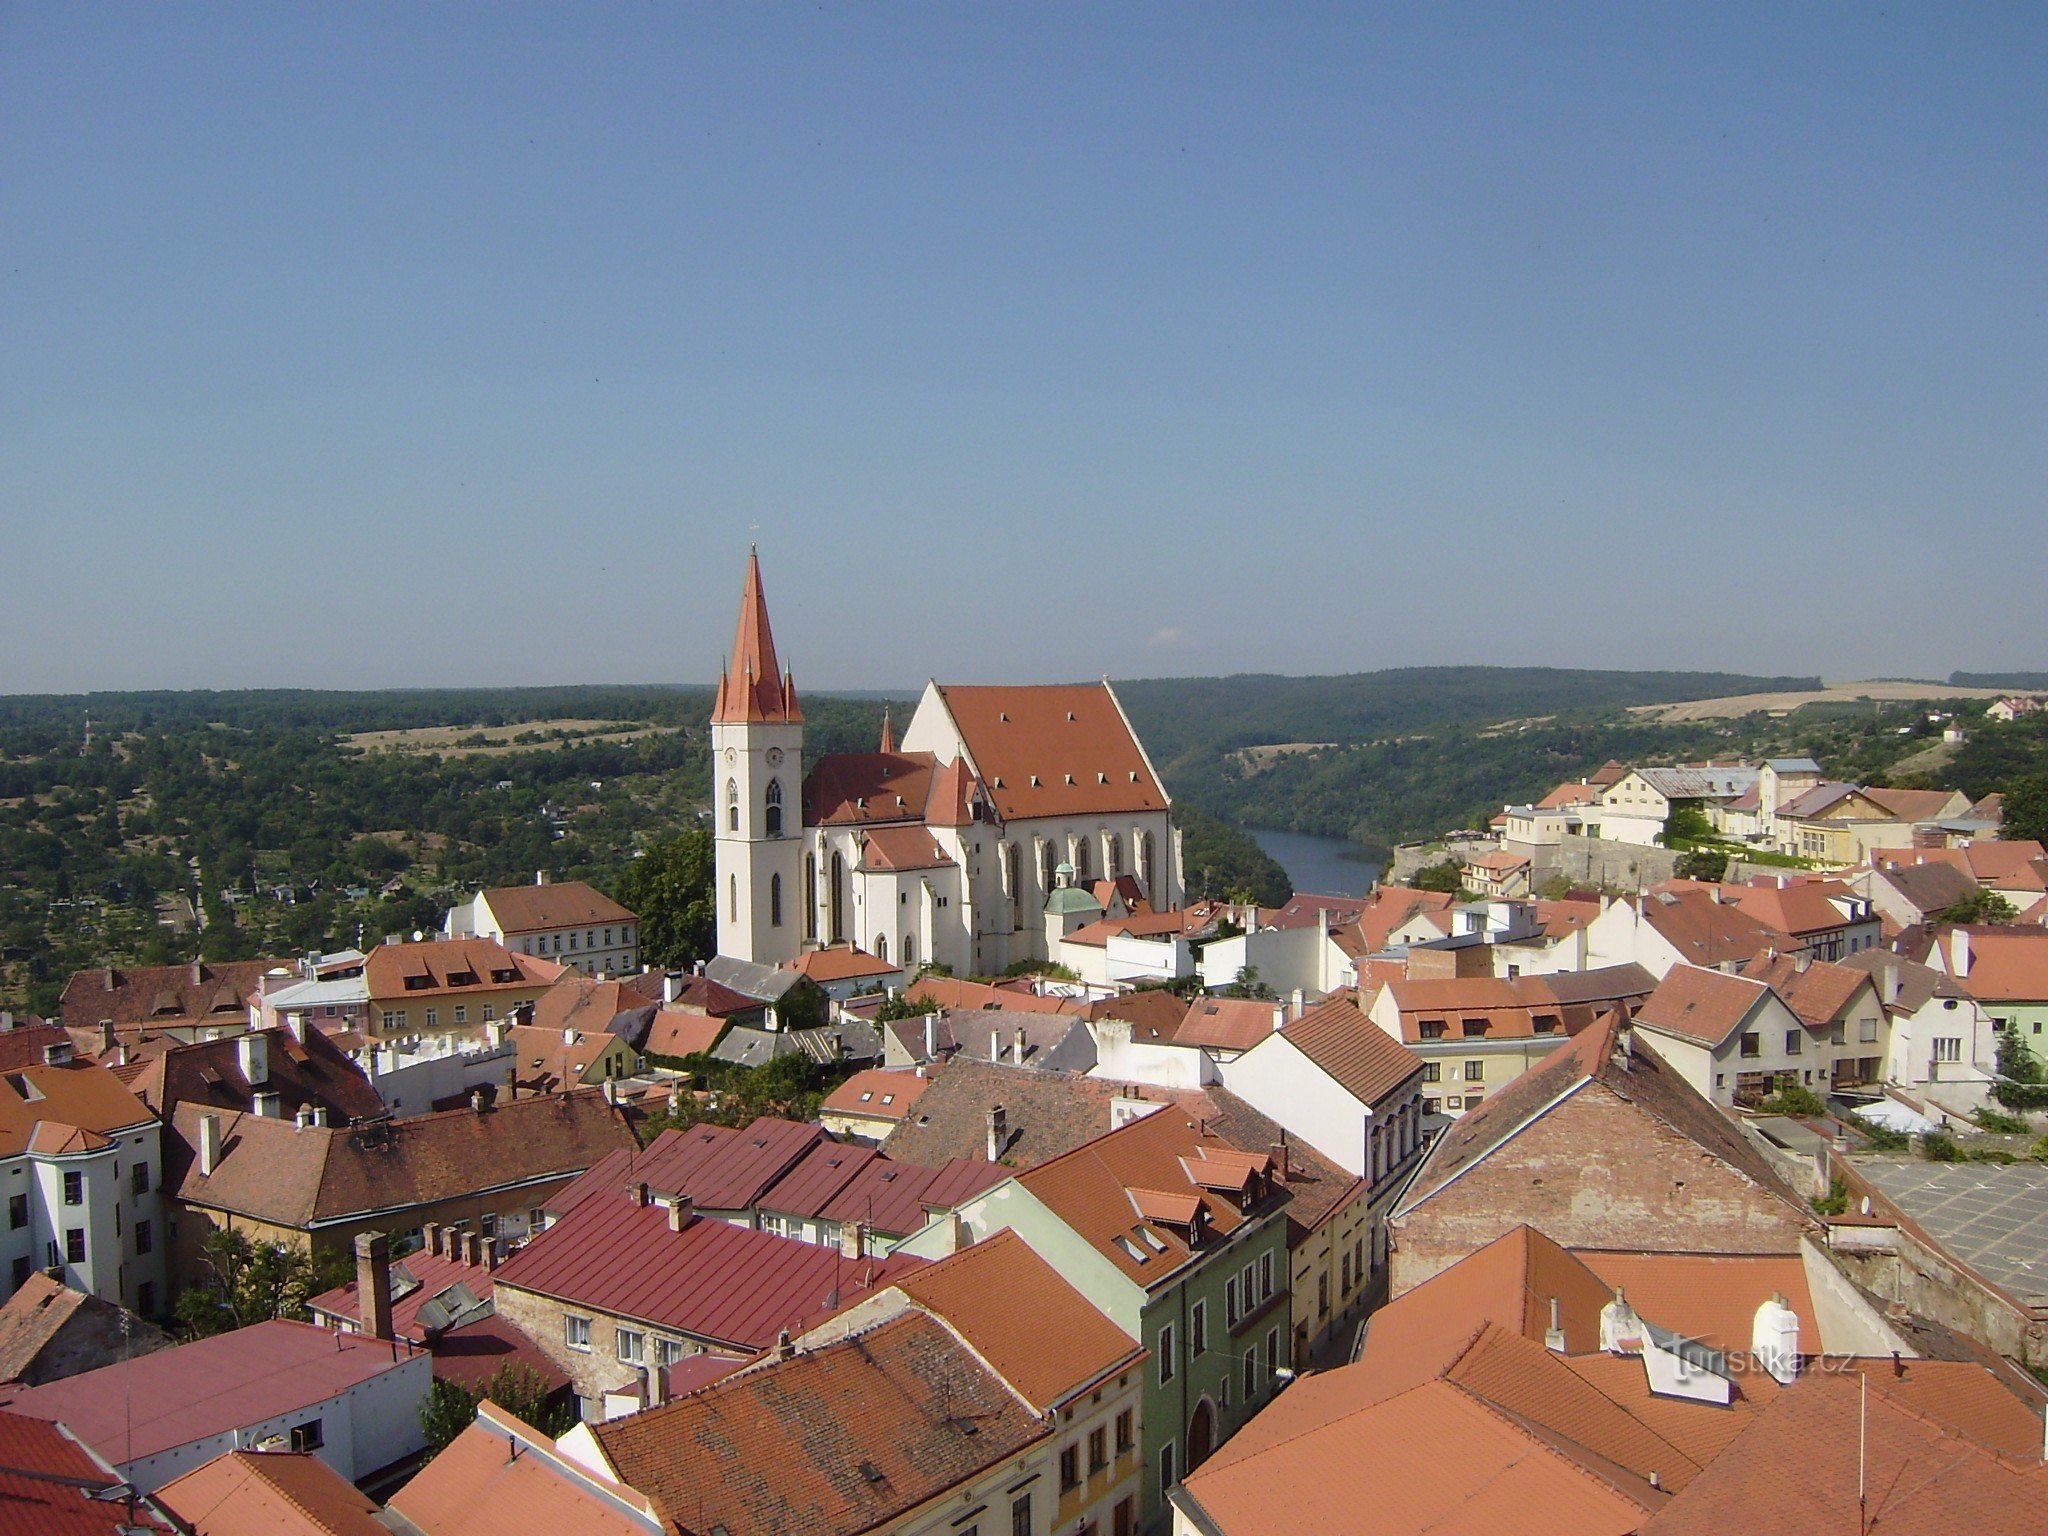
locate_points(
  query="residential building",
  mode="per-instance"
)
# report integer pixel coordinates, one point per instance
(1906, 894)
(1939, 1035)
(946, 849)
(1477, 1034)
(277, 1493)
(871, 1104)
(2008, 710)
(49, 1331)
(569, 922)
(353, 1402)
(1601, 1145)
(2005, 969)
(2016, 870)
(501, 1475)
(327, 993)
(184, 1002)
(841, 972)
(1075, 1368)
(1823, 918)
(1840, 1007)
(552, 1060)
(277, 1071)
(1055, 1042)
(1834, 823)
(81, 1164)
(1736, 1041)
(1019, 1116)
(624, 1283)
(438, 985)
(945, 1444)
(1682, 924)
(1181, 1240)
(51, 1485)
(487, 1169)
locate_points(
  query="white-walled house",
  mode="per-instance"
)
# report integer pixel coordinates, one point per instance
(1940, 1036)
(1340, 1083)
(568, 921)
(1733, 1039)
(1671, 928)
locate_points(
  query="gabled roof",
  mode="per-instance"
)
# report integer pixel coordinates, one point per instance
(557, 904)
(894, 1199)
(769, 1449)
(1633, 1072)
(44, 1106)
(1917, 982)
(2007, 965)
(713, 1280)
(273, 1170)
(854, 787)
(437, 968)
(1799, 908)
(1706, 1007)
(878, 1093)
(1360, 1057)
(677, 1032)
(1393, 905)
(162, 995)
(1154, 1014)
(270, 1493)
(1928, 887)
(48, 1483)
(954, 994)
(1818, 991)
(311, 1070)
(900, 849)
(750, 686)
(1797, 1468)
(1055, 1041)
(763, 983)
(840, 963)
(1036, 1331)
(212, 1386)
(1228, 1023)
(37, 1314)
(1918, 804)
(722, 1168)
(1705, 931)
(500, 1477)
(1046, 1113)
(1063, 750)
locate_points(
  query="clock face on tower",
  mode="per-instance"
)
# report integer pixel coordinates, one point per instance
(775, 757)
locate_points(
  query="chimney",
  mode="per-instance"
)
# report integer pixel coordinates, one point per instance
(1888, 985)
(252, 1055)
(671, 986)
(209, 1144)
(636, 1191)
(430, 1236)
(1297, 1004)
(303, 1120)
(785, 1347)
(373, 1284)
(931, 1036)
(494, 1033)
(657, 1389)
(106, 1028)
(568, 1036)
(320, 1117)
(473, 1249)
(268, 1104)
(1278, 1152)
(476, 1100)
(1017, 1050)
(1553, 1337)
(296, 1023)
(995, 1044)
(682, 1210)
(1959, 950)
(998, 1132)
(1774, 1339)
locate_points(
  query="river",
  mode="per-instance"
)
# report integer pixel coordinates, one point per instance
(1320, 866)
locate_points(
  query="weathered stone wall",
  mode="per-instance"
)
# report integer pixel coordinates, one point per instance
(1595, 1173)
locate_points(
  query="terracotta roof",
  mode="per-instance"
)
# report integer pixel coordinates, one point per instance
(1521, 1007)
(1315, 1188)
(1487, 1473)
(1228, 1023)
(1710, 1297)
(54, 1102)
(163, 995)
(712, 1280)
(723, 1168)
(678, 1032)
(842, 964)
(770, 1450)
(37, 1314)
(1705, 931)
(1301, 908)
(273, 1171)
(583, 1002)
(1795, 1469)
(500, 1477)
(879, 1093)
(31, 1318)
(438, 968)
(212, 1386)
(24, 1044)
(1358, 1055)
(1916, 804)
(47, 1483)
(546, 1060)
(1393, 905)
(895, 1199)
(1058, 1041)
(750, 688)
(1091, 1190)
(1036, 1331)
(952, 993)
(1706, 1007)
(1568, 794)
(850, 788)
(1154, 1014)
(2007, 966)
(301, 1072)
(1054, 751)
(1498, 862)
(1917, 982)
(1818, 991)
(558, 904)
(270, 1493)
(954, 791)
(1793, 909)
(1644, 1081)
(902, 848)
(1928, 887)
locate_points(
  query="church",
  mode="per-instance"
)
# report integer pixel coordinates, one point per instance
(1003, 819)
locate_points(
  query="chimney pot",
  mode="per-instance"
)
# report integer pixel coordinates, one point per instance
(373, 1284)
(430, 1234)
(209, 1144)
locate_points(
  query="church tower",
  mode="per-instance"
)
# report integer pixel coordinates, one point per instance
(757, 749)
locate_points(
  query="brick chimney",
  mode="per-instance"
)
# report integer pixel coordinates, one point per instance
(998, 1132)
(373, 1284)
(682, 1210)
(430, 1237)
(209, 1144)
(1959, 950)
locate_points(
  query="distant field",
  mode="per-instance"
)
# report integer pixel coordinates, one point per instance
(496, 740)
(1737, 705)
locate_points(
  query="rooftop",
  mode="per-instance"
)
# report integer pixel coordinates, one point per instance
(47, 1483)
(502, 1478)
(163, 995)
(270, 1493)
(1700, 1005)
(1357, 1054)
(1059, 750)
(1991, 1216)
(557, 904)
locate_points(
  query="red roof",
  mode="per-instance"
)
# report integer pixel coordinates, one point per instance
(723, 1169)
(270, 1493)
(176, 1396)
(1054, 750)
(33, 1453)
(878, 1093)
(712, 1280)
(841, 964)
(752, 686)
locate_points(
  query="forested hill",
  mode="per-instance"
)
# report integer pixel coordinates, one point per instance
(1179, 716)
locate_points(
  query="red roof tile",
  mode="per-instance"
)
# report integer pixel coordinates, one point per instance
(750, 687)
(558, 904)
(41, 1470)
(270, 1493)
(1054, 751)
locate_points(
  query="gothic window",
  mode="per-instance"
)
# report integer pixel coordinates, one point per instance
(1143, 848)
(909, 950)
(775, 901)
(1013, 885)
(732, 805)
(1046, 863)
(732, 897)
(774, 808)
(810, 896)
(882, 948)
(838, 900)
(1084, 867)
(1112, 856)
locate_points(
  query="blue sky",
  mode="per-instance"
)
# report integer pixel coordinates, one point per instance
(378, 345)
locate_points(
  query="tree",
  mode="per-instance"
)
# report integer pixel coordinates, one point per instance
(449, 1407)
(243, 1282)
(1978, 907)
(2021, 1085)
(2026, 808)
(1449, 877)
(671, 890)
(1702, 864)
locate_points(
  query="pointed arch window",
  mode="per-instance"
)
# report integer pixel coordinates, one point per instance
(774, 808)
(882, 947)
(732, 897)
(775, 901)
(909, 950)
(1113, 857)
(732, 805)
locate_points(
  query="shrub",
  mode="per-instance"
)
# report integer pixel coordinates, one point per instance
(1835, 1201)
(1940, 1147)
(1795, 1099)
(1997, 1120)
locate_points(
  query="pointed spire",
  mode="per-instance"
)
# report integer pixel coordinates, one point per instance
(753, 686)
(888, 731)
